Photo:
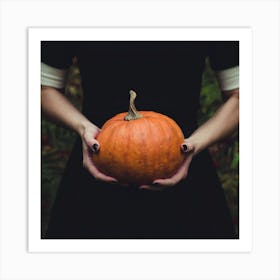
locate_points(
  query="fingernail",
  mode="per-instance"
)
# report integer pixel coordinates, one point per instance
(95, 147)
(184, 147)
(144, 188)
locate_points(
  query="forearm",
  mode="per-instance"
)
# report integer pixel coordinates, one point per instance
(57, 107)
(224, 122)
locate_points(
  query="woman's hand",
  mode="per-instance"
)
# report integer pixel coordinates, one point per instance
(224, 122)
(57, 107)
(90, 146)
(160, 184)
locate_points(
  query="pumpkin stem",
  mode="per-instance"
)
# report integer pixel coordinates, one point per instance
(132, 111)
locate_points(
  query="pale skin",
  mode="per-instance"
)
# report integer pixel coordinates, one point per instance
(224, 122)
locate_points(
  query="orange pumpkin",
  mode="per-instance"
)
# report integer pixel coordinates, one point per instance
(139, 147)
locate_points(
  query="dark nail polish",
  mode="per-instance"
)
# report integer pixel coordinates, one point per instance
(185, 147)
(95, 147)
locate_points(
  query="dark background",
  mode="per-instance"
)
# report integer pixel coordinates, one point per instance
(57, 143)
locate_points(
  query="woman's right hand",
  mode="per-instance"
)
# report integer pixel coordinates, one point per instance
(90, 146)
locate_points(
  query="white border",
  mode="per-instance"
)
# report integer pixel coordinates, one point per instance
(262, 263)
(244, 243)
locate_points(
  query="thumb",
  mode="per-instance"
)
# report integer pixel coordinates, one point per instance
(95, 146)
(187, 147)
(92, 143)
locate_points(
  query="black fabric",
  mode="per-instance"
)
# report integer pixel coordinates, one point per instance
(57, 54)
(223, 55)
(167, 77)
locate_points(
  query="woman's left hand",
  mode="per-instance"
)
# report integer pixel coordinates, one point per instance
(160, 184)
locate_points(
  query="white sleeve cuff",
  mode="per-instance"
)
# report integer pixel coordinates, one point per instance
(53, 77)
(228, 79)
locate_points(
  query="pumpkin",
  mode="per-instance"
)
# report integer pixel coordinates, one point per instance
(138, 147)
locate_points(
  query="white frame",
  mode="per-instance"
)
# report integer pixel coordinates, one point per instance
(262, 16)
(243, 243)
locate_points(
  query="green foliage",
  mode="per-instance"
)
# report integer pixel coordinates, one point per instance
(57, 143)
(210, 95)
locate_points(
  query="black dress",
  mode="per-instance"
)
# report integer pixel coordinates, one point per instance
(167, 77)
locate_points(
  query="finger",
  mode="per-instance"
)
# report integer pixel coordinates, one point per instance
(149, 188)
(186, 165)
(91, 147)
(96, 173)
(92, 143)
(152, 187)
(101, 176)
(187, 147)
(95, 147)
(178, 176)
(145, 187)
(172, 181)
